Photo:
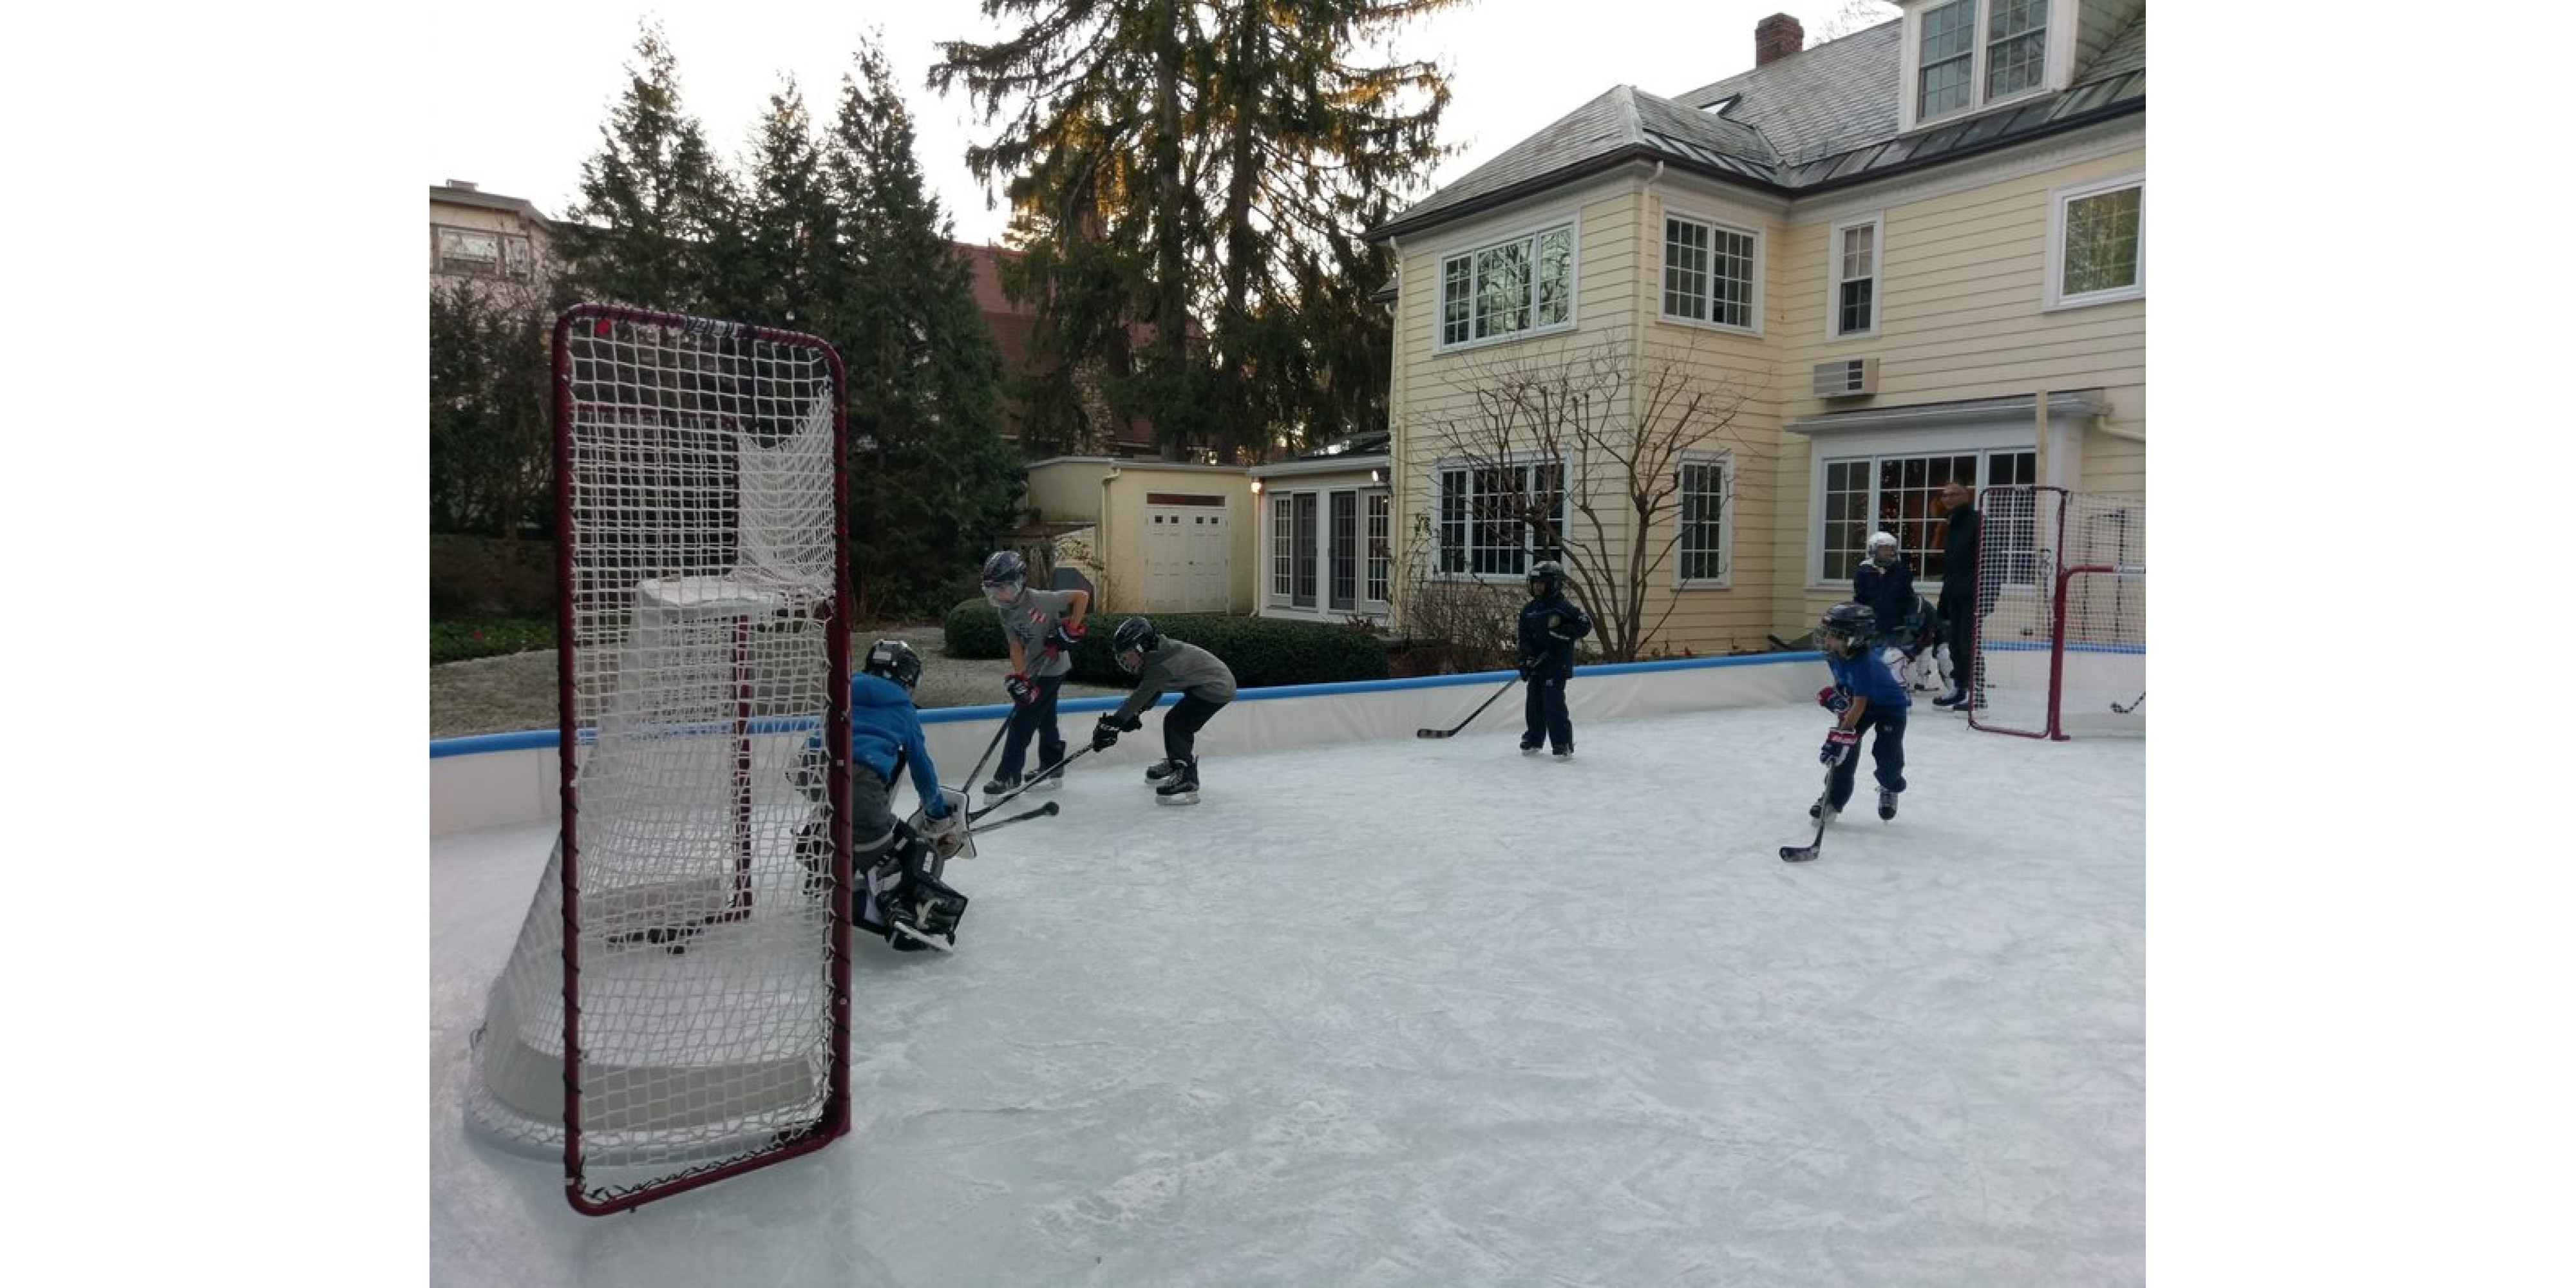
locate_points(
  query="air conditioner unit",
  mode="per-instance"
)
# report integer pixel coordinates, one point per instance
(1849, 378)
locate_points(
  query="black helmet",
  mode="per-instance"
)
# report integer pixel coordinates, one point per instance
(1546, 578)
(894, 660)
(1005, 570)
(1135, 635)
(1854, 624)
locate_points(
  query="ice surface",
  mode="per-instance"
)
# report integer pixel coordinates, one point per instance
(1434, 1013)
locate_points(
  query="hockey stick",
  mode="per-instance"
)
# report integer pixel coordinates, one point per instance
(1014, 794)
(1023, 816)
(972, 774)
(1807, 852)
(1452, 730)
(2142, 701)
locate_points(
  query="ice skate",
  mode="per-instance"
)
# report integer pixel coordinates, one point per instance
(1886, 805)
(1182, 788)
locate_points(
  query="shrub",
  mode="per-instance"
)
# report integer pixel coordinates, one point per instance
(487, 577)
(1262, 652)
(972, 630)
(462, 641)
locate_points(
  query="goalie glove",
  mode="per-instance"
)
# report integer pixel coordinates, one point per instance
(946, 833)
(1833, 698)
(1838, 744)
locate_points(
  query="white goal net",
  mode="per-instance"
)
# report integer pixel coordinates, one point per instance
(2061, 592)
(676, 1008)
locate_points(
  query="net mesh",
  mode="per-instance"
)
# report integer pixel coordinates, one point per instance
(704, 984)
(2062, 603)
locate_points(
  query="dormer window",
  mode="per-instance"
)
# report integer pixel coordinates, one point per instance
(1971, 54)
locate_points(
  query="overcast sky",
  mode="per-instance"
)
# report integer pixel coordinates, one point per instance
(526, 88)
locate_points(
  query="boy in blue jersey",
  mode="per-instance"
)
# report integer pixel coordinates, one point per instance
(1865, 695)
(900, 895)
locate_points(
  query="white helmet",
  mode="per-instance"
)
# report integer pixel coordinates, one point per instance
(1878, 540)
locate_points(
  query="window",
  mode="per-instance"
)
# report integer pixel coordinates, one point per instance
(1380, 558)
(1283, 548)
(1703, 520)
(2097, 243)
(480, 252)
(1302, 556)
(1961, 64)
(1345, 582)
(1708, 273)
(1854, 307)
(1482, 532)
(1517, 287)
(1898, 495)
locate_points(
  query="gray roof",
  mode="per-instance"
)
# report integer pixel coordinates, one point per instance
(1812, 120)
(488, 200)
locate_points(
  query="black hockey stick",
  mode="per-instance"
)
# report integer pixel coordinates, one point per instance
(1023, 816)
(1806, 853)
(1032, 781)
(972, 774)
(1452, 730)
(2142, 701)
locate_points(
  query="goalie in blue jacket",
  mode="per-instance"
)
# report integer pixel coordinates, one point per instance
(898, 863)
(1866, 695)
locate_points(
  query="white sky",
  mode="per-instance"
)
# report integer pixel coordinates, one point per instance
(1514, 65)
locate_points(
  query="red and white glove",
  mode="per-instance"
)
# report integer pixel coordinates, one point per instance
(1838, 744)
(1833, 698)
(1023, 690)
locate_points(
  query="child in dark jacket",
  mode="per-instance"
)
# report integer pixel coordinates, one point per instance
(1550, 624)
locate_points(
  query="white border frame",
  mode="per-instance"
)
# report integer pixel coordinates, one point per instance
(2055, 66)
(2013, 434)
(1761, 267)
(1571, 221)
(1877, 221)
(1724, 460)
(1444, 464)
(2058, 200)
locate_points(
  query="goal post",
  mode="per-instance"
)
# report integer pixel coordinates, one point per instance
(676, 1008)
(2061, 597)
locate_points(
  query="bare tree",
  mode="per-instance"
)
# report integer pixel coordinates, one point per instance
(1574, 452)
(1854, 15)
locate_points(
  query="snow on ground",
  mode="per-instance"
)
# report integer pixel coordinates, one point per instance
(1433, 1013)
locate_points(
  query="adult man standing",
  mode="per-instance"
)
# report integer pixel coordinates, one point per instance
(1959, 606)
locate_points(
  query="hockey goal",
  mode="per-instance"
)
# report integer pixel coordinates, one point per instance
(676, 1009)
(2061, 595)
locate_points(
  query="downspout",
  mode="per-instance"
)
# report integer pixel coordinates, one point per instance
(1100, 533)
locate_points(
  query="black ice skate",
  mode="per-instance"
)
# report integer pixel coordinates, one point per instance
(924, 916)
(1049, 779)
(1564, 753)
(1823, 810)
(1182, 788)
(1529, 746)
(1002, 786)
(1886, 805)
(1158, 771)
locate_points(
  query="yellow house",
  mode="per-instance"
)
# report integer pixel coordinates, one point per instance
(1786, 307)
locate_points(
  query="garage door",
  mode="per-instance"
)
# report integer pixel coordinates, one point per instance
(1188, 553)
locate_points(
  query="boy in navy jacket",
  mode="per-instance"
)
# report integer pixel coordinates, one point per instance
(1550, 624)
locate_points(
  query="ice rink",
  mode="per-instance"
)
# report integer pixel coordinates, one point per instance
(1416, 1012)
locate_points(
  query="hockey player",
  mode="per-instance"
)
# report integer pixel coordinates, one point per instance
(1865, 695)
(1048, 624)
(1550, 624)
(1161, 665)
(900, 895)
(1885, 582)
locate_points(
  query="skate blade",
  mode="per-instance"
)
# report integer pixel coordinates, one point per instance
(926, 941)
(1178, 798)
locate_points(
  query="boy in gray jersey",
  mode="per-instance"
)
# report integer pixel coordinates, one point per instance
(1160, 666)
(1048, 625)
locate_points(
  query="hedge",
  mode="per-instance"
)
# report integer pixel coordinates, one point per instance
(1262, 652)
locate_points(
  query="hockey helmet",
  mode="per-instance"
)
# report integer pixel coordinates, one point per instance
(1879, 541)
(1546, 578)
(1846, 627)
(1004, 573)
(1138, 637)
(894, 660)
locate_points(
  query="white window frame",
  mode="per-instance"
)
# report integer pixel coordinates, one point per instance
(1876, 222)
(1984, 441)
(1377, 535)
(504, 263)
(1469, 257)
(1279, 567)
(2059, 203)
(1724, 462)
(1754, 270)
(1440, 473)
(2058, 52)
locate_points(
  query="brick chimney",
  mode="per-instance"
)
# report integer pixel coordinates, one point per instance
(1777, 36)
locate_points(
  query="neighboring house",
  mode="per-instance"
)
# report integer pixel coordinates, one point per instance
(475, 236)
(1014, 328)
(1149, 536)
(1325, 551)
(1915, 253)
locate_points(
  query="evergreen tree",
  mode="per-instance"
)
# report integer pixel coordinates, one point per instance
(1221, 155)
(491, 452)
(656, 215)
(933, 482)
(784, 258)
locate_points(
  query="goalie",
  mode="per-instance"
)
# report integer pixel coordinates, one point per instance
(900, 894)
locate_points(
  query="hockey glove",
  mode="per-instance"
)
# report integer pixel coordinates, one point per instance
(1104, 735)
(1529, 667)
(946, 834)
(1067, 637)
(1023, 690)
(1838, 744)
(1832, 698)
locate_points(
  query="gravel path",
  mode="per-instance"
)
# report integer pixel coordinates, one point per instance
(516, 692)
